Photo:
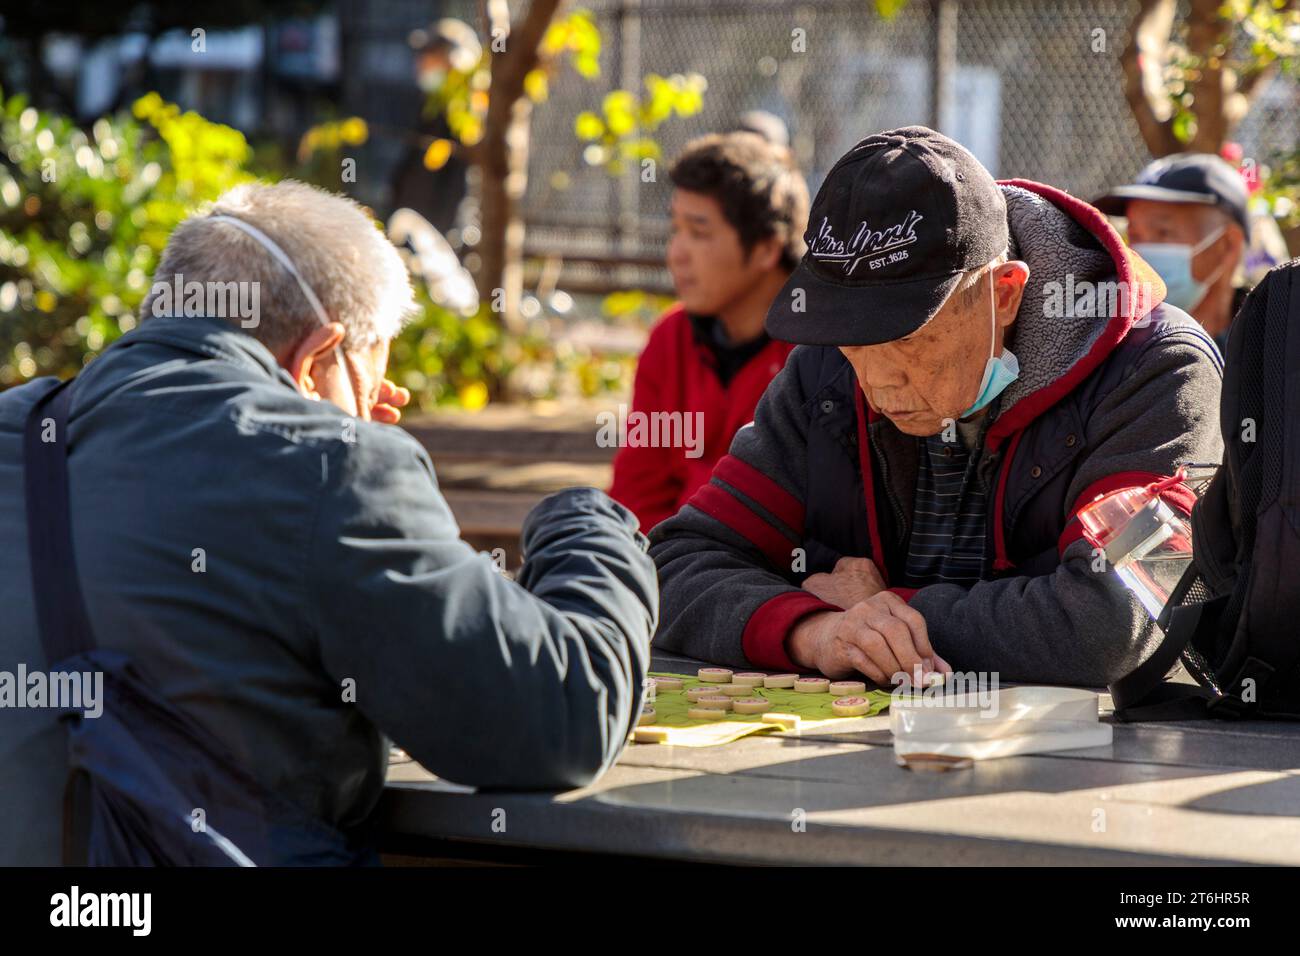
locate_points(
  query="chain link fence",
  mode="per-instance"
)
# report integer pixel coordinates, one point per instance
(1035, 90)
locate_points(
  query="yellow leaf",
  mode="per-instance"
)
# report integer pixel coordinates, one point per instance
(471, 130)
(535, 86)
(436, 156)
(588, 126)
(354, 131)
(473, 396)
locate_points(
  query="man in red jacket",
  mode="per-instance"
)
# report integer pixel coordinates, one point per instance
(739, 208)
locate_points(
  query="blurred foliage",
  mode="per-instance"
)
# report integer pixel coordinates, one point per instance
(1266, 33)
(447, 359)
(620, 133)
(84, 219)
(636, 307)
(463, 95)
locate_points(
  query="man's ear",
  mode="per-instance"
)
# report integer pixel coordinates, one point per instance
(301, 360)
(1009, 280)
(1236, 243)
(766, 254)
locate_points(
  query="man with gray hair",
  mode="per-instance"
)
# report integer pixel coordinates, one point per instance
(279, 564)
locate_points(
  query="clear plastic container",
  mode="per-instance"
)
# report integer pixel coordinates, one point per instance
(1147, 543)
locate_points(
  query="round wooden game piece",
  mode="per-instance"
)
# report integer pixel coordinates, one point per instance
(847, 688)
(705, 713)
(748, 679)
(812, 685)
(714, 702)
(850, 706)
(736, 690)
(780, 680)
(714, 675)
(751, 705)
(647, 716)
(693, 694)
(667, 683)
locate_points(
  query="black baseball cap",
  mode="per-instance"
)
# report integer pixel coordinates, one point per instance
(1185, 177)
(899, 219)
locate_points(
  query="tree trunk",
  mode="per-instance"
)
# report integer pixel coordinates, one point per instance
(1220, 98)
(502, 158)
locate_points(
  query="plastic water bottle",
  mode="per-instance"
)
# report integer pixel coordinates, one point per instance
(1147, 543)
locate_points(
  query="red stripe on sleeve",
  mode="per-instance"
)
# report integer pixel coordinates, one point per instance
(752, 483)
(772, 622)
(1178, 496)
(719, 504)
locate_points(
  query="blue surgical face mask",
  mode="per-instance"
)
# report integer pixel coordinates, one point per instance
(1173, 262)
(1000, 370)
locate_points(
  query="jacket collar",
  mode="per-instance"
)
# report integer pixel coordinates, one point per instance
(208, 338)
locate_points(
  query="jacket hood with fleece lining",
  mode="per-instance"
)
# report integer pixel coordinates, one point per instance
(1062, 238)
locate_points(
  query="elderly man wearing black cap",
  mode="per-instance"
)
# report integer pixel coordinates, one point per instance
(1187, 217)
(905, 498)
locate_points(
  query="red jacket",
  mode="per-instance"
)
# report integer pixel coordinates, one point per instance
(675, 374)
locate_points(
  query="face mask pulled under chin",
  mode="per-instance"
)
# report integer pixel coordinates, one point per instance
(1000, 370)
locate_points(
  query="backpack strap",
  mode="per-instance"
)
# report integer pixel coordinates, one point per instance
(1143, 693)
(60, 609)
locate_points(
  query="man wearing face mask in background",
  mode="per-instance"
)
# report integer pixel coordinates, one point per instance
(1187, 217)
(906, 496)
(281, 567)
(437, 194)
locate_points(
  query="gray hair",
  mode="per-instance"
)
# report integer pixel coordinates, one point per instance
(971, 287)
(354, 270)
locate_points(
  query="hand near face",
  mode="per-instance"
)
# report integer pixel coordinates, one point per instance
(389, 402)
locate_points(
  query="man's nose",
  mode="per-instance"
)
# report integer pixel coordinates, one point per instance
(874, 368)
(677, 255)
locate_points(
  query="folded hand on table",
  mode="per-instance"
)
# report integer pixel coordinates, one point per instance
(877, 634)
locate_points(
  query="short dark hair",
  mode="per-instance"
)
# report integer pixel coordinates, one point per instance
(756, 184)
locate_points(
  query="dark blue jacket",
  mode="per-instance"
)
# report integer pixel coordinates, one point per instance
(293, 580)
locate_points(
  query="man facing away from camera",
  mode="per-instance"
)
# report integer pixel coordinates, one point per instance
(906, 496)
(279, 563)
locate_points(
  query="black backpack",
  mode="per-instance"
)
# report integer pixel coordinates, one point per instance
(1234, 618)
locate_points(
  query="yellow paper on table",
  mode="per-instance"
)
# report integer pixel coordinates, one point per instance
(813, 710)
